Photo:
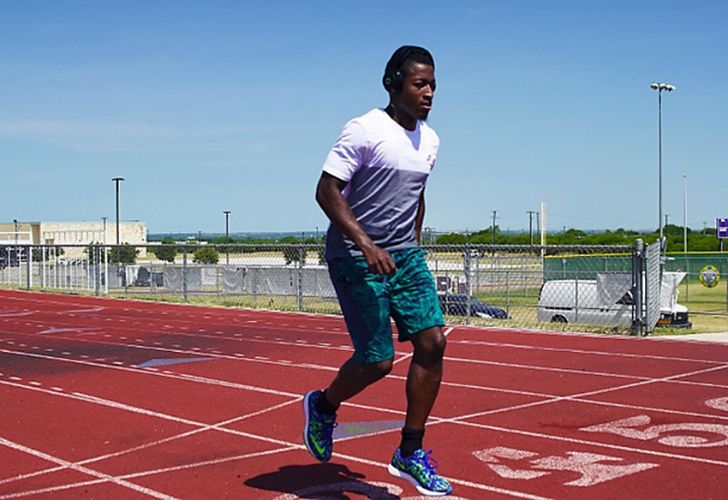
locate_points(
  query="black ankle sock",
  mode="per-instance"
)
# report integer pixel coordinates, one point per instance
(411, 441)
(323, 405)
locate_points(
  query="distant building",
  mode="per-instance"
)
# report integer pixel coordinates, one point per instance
(72, 233)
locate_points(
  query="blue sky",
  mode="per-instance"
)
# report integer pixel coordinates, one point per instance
(205, 106)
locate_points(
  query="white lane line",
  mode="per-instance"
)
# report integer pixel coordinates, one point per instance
(579, 395)
(599, 444)
(300, 343)
(86, 310)
(65, 487)
(146, 371)
(581, 351)
(320, 367)
(462, 482)
(212, 462)
(125, 407)
(80, 396)
(84, 470)
(144, 306)
(456, 421)
(158, 442)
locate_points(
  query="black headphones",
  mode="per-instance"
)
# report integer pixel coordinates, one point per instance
(394, 83)
(393, 79)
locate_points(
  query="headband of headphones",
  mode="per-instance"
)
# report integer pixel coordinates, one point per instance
(393, 78)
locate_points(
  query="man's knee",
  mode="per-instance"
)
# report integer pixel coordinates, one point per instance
(431, 343)
(380, 369)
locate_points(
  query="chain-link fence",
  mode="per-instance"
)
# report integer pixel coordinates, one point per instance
(594, 288)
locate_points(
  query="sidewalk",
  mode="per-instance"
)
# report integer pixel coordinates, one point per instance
(703, 337)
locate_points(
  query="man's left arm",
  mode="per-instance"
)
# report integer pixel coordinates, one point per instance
(420, 216)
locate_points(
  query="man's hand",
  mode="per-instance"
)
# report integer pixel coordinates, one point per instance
(379, 260)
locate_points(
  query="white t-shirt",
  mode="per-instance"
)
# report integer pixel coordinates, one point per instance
(386, 168)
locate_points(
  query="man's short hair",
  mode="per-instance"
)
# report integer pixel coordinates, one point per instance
(393, 75)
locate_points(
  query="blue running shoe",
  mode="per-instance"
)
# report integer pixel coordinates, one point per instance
(318, 434)
(419, 469)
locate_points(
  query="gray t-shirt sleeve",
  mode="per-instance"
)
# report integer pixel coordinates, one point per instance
(348, 153)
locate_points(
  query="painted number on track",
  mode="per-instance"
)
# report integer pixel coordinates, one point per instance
(590, 466)
(718, 403)
(687, 435)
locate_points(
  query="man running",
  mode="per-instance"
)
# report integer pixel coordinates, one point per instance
(373, 190)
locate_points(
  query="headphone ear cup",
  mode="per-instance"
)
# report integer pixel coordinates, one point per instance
(398, 81)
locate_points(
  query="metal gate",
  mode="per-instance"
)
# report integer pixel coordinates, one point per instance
(647, 283)
(653, 280)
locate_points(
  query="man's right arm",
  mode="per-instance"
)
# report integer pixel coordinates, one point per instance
(337, 209)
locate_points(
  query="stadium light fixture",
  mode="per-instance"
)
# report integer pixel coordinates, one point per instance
(660, 87)
(227, 227)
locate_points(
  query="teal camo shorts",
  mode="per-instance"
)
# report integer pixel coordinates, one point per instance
(369, 300)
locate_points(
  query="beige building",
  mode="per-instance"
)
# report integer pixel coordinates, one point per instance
(72, 233)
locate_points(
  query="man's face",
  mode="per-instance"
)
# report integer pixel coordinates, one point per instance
(414, 101)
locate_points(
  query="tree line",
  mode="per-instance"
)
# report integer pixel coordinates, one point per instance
(206, 252)
(698, 241)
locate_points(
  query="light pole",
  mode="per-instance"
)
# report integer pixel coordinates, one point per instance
(117, 180)
(494, 213)
(530, 226)
(685, 213)
(227, 235)
(660, 87)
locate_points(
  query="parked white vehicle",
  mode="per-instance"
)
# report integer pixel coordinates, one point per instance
(606, 301)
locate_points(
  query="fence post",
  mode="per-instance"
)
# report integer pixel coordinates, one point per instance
(184, 273)
(638, 320)
(477, 272)
(508, 293)
(97, 269)
(106, 269)
(28, 267)
(301, 259)
(43, 268)
(687, 280)
(576, 299)
(468, 284)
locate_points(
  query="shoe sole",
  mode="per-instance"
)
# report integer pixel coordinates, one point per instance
(305, 429)
(403, 475)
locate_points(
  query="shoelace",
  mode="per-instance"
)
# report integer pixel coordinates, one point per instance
(327, 424)
(430, 463)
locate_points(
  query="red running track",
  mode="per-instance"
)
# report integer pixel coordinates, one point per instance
(123, 399)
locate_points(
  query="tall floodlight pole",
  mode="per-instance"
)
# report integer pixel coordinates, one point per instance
(660, 87)
(227, 235)
(530, 226)
(117, 180)
(685, 213)
(494, 213)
